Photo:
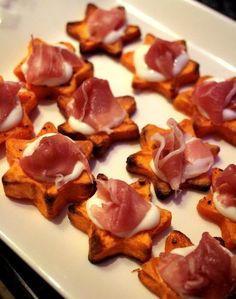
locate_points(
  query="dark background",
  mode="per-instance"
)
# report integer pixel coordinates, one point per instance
(226, 7)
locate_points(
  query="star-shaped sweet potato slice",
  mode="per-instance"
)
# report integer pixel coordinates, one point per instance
(49, 199)
(79, 31)
(150, 277)
(139, 163)
(207, 209)
(25, 128)
(168, 88)
(52, 92)
(202, 125)
(102, 244)
(127, 130)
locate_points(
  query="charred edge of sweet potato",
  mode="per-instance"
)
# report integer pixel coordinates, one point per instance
(162, 189)
(100, 145)
(101, 141)
(176, 239)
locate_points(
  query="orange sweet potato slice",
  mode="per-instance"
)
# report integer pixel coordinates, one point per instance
(102, 244)
(149, 275)
(207, 209)
(168, 88)
(52, 92)
(45, 196)
(127, 130)
(139, 163)
(79, 31)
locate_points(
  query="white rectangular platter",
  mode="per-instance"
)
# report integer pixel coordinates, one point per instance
(55, 249)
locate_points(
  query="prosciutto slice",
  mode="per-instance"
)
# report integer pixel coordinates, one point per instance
(124, 208)
(8, 97)
(213, 97)
(179, 157)
(208, 271)
(225, 185)
(102, 22)
(198, 158)
(95, 105)
(53, 159)
(167, 58)
(47, 62)
(169, 157)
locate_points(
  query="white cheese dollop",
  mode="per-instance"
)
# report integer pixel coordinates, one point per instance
(184, 250)
(150, 220)
(114, 35)
(229, 212)
(13, 118)
(80, 126)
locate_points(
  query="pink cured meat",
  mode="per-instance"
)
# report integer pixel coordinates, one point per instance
(163, 57)
(54, 158)
(179, 157)
(198, 158)
(95, 105)
(212, 97)
(47, 62)
(101, 22)
(225, 185)
(124, 208)
(8, 98)
(169, 157)
(209, 266)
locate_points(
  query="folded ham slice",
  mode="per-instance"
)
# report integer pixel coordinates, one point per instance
(123, 207)
(212, 98)
(101, 22)
(179, 156)
(48, 62)
(169, 157)
(94, 104)
(53, 159)
(8, 97)
(198, 158)
(208, 271)
(167, 58)
(225, 186)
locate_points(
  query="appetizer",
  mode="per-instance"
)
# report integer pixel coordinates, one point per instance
(15, 104)
(212, 106)
(52, 70)
(49, 170)
(219, 206)
(173, 158)
(161, 66)
(93, 113)
(184, 270)
(103, 30)
(119, 219)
